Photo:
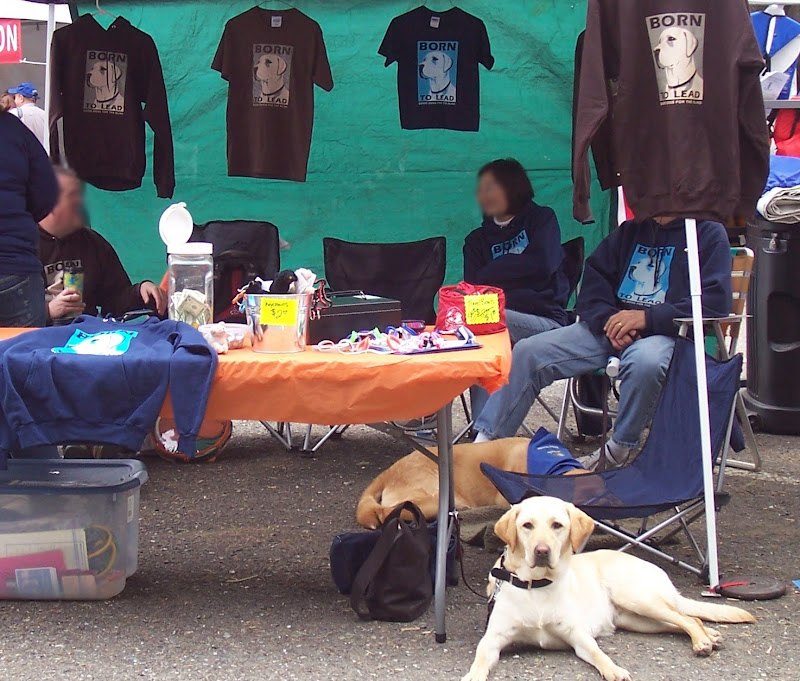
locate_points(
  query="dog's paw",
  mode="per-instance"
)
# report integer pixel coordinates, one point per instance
(474, 676)
(617, 674)
(714, 636)
(703, 648)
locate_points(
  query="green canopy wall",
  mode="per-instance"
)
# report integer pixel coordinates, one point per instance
(368, 179)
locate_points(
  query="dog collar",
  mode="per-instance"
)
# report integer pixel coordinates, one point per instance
(505, 575)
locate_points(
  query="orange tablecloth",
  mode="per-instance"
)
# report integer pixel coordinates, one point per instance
(330, 388)
(321, 387)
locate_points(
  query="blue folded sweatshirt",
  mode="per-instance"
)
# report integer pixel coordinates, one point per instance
(644, 266)
(102, 382)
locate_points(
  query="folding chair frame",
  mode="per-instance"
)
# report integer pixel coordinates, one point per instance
(647, 539)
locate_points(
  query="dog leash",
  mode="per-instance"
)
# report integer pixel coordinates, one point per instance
(460, 556)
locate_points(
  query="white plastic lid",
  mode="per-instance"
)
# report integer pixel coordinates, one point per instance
(175, 225)
(191, 248)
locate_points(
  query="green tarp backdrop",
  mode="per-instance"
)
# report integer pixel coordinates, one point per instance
(368, 179)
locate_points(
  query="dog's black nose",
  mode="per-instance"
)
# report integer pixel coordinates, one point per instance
(541, 554)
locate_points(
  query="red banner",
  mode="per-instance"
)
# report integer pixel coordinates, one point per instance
(10, 41)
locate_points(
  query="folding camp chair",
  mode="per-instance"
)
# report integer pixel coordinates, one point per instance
(722, 336)
(666, 476)
(411, 272)
(243, 250)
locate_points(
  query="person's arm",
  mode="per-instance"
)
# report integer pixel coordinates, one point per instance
(715, 274)
(118, 295)
(474, 259)
(42, 187)
(597, 299)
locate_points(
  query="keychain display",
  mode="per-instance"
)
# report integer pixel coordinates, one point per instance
(399, 341)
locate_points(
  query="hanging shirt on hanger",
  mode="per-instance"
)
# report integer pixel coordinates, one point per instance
(105, 84)
(784, 45)
(679, 83)
(271, 60)
(437, 55)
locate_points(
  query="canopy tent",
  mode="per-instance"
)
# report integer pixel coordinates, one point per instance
(367, 180)
(33, 10)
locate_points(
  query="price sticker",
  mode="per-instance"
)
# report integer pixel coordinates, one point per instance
(278, 311)
(482, 309)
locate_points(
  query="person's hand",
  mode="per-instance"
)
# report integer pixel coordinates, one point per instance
(152, 293)
(625, 323)
(619, 344)
(68, 303)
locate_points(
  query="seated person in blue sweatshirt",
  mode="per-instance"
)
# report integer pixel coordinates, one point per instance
(517, 249)
(634, 285)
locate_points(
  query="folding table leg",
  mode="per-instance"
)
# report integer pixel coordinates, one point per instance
(444, 434)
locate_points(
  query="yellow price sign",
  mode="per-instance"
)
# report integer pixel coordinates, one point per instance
(482, 309)
(278, 311)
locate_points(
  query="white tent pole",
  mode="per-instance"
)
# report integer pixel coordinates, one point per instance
(51, 27)
(696, 291)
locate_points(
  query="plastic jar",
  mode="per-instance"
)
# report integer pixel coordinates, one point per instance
(190, 268)
(191, 283)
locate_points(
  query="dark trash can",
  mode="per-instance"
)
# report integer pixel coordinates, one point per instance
(773, 329)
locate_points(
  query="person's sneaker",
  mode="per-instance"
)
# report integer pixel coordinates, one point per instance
(597, 464)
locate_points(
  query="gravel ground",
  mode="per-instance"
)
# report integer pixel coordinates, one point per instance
(233, 584)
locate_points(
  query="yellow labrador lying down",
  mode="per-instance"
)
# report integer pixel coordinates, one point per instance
(546, 596)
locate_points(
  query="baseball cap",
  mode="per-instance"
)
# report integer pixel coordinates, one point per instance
(26, 90)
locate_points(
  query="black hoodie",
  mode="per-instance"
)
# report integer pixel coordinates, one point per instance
(524, 258)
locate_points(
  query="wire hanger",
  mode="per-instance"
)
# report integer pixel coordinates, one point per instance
(283, 2)
(103, 12)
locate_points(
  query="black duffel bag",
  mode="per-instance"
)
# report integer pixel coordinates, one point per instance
(394, 583)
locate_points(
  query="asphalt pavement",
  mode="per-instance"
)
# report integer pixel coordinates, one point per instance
(234, 584)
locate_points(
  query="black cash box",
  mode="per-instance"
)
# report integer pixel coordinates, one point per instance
(353, 311)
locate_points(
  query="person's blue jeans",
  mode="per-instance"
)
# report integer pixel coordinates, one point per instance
(22, 304)
(520, 325)
(22, 300)
(571, 351)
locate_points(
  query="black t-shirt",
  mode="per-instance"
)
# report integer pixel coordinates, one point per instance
(437, 55)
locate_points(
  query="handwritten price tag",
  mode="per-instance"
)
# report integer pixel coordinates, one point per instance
(278, 311)
(482, 309)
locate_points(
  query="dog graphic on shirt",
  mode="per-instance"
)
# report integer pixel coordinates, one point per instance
(677, 42)
(104, 87)
(437, 72)
(271, 75)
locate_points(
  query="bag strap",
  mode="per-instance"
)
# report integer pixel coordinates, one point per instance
(410, 506)
(366, 573)
(392, 529)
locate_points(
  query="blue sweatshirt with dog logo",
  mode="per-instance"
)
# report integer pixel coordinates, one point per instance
(524, 258)
(102, 382)
(644, 266)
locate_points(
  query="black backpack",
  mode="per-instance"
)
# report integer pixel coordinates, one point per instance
(394, 583)
(243, 250)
